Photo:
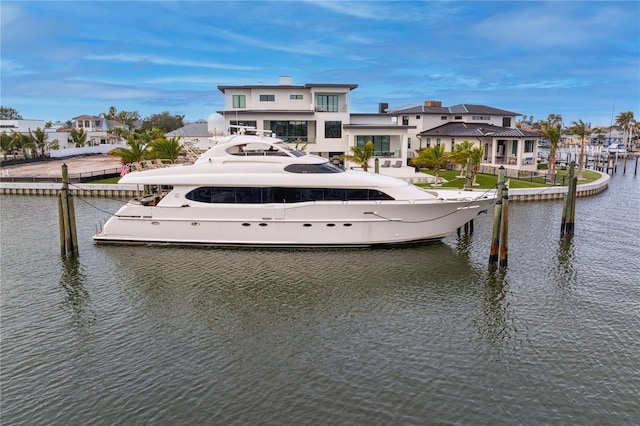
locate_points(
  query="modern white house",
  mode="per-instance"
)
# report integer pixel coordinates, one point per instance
(319, 115)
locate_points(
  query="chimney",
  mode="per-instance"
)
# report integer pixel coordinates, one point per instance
(383, 107)
(284, 80)
(433, 103)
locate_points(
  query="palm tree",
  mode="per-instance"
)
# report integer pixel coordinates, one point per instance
(582, 129)
(78, 137)
(138, 148)
(476, 155)
(434, 157)
(164, 148)
(625, 122)
(40, 137)
(552, 132)
(360, 156)
(460, 154)
(6, 144)
(24, 143)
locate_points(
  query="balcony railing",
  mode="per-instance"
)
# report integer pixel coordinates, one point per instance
(386, 154)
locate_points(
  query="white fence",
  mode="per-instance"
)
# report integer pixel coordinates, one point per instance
(85, 150)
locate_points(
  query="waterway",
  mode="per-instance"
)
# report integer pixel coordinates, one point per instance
(412, 335)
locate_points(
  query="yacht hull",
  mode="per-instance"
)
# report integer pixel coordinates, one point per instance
(312, 224)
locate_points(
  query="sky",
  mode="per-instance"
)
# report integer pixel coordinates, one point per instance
(579, 59)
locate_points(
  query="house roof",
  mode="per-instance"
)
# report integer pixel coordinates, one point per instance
(456, 109)
(476, 130)
(285, 86)
(196, 129)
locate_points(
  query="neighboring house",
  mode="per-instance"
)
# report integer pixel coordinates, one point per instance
(432, 114)
(20, 126)
(98, 129)
(503, 146)
(196, 133)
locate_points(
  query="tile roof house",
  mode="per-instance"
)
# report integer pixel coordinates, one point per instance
(503, 146)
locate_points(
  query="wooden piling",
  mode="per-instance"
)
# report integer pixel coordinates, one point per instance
(67, 218)
(568, 208)
(497, 221)
(61, 226)
(504, 229)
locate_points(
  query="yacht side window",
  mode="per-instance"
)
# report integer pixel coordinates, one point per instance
(313, 168)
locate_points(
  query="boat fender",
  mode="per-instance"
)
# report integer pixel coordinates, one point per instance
(185, 205)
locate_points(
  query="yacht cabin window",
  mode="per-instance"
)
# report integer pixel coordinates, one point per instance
(255, 195)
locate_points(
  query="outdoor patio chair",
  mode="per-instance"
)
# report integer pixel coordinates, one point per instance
(387, 163)
(398, 163)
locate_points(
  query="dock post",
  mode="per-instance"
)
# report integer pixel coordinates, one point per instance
(504, 229)
(376, 165)
(624, 165)
(497, 221)
(635, 172)
(67, 218)
(568, 208)
(61, 226)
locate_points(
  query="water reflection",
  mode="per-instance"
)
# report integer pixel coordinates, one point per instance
(564, 269)
(76, 298)
(261, 285)
(498, 324)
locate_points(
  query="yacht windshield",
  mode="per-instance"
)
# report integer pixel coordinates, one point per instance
(313, 168)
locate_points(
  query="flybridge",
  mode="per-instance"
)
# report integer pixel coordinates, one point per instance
(250, 130)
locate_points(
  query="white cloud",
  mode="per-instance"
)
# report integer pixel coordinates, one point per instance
(157, 60)
(11, 68)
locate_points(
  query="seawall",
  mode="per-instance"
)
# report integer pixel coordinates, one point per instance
(130, 191)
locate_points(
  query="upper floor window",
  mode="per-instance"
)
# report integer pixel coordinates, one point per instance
(481, 118)
(458, 117)
(506, 121)
(405, 120)
(417, 117)
(333, 129)
(327, 103)
(267, 98)
(239, 101)
(295, 96)
(443, 117)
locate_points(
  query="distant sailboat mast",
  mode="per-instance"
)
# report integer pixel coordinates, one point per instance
(611, 125)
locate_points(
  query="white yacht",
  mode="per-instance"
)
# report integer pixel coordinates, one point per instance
(253, 190)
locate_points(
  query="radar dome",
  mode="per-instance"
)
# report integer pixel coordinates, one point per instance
(215, 124)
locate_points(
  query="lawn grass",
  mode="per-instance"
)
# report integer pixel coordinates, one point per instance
(454, 181)
(489, 181)
(111, 180)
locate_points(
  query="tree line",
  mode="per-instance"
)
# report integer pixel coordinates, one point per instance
(148, 132)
